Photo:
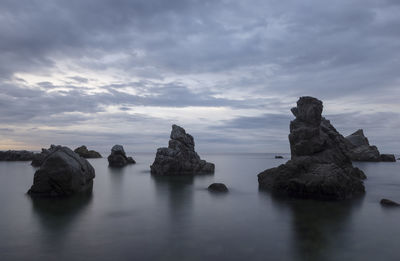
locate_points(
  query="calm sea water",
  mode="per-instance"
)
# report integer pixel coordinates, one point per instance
(132, 215)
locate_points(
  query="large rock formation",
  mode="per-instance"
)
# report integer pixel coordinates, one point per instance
(361, 150)
(62, 173)
(39, 158)
(319, 167)
(118, 157)
(16, 155)
(85, 153)
(180, 158)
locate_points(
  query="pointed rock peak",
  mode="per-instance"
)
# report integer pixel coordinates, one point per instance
(178, 133)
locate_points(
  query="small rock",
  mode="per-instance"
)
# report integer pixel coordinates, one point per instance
(387, 158)
(278, 157)
(85, 153)
(389, 203)
(118, 157)
(218, 187)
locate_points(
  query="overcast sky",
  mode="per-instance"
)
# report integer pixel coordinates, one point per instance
(102, 72)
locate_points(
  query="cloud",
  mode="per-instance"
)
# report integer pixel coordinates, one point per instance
(228, 70)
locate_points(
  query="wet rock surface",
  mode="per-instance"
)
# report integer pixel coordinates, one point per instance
(16, 155)
(118, 157)
(85, 153)
(180, 158)
(62, 173)
(320, 167)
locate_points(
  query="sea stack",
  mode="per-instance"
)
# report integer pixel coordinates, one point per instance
(118, 157)
(361, 150)
(320, 167)
(87, 154)
(180, 158)
(62, 173)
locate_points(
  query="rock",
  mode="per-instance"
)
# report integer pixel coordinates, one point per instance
(16, 155)
(180, 158)
(389, 203)
(63, 173)
(320, 167)
(85, 153)
(278, 157)
(38, 158)
(218, 187)
(118, 157)
(361, 150)
(387, 158)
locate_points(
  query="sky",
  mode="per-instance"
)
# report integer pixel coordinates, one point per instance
(105, 72)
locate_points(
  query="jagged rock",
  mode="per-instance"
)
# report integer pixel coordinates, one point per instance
(361, 150)
(38, 158)
(85, 153)
(62, 173)
(278, 157)
(16, 155)
(180, 158)
(387, 158)
(218, 187)
(389, 203)
(320, 167)
(118, 157)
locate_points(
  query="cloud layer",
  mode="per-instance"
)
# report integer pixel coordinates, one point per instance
(104, 72)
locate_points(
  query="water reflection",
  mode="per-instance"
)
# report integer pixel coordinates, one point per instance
(318, 227)
(57, 215)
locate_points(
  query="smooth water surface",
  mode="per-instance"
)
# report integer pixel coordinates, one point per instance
(132, 215)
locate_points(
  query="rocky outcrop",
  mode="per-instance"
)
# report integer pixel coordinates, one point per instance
(85, 153)
(38, 158)
(16, 155)
(361, 150)
(218, 187)
(118, 157)
(389, 203)
(320, 167)
(387, 158)
(180, 158)
(62, 173)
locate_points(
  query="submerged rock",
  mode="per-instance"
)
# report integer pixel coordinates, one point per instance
(361, 150)
(16, 155)
(389, 203)
(180, 158)
(320, 167)
(85, 153)
(62, 173)
(118, 157)
(218, 187)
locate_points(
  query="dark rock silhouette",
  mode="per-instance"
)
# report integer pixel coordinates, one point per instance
(62, 173)
(118, 157)
(278, 157)
(38, 158)
(320, 167)
(16, 155)
(180, 158)
(85, 153)
(218, 187)
(389, 203)
(361, 150)
(387, 158)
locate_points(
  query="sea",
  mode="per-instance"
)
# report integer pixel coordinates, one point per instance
(132, 215)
